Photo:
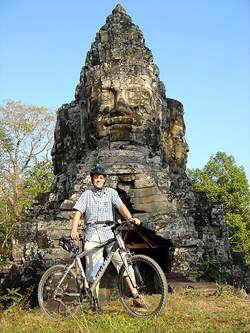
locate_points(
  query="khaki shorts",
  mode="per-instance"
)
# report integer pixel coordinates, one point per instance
(93, 257)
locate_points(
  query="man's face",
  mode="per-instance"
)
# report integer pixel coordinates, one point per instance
(98, 181)
(122, 106)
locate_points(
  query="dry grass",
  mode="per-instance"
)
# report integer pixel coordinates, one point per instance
(186, 311)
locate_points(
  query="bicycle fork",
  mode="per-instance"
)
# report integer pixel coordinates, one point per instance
(128, 267)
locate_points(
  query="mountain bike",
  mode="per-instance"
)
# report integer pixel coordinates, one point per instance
(64, 290)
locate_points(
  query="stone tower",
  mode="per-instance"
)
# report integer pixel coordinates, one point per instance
(121, 119)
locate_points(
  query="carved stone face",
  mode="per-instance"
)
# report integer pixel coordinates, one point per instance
(122, 104)
(178, 152)
(176, 146)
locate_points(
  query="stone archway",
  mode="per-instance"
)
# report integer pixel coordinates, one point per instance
(143, 241)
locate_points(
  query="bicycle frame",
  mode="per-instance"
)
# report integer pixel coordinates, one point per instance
(117, 244)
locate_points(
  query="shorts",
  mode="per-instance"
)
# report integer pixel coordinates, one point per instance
(93, 257)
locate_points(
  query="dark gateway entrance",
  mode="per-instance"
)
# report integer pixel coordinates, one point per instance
(140, 240)
(144, 241)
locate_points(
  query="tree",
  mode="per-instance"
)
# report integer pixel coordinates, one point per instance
(226, 183)
(39, 181)
(26, 136)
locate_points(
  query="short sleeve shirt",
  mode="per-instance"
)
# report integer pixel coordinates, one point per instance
(98, 207)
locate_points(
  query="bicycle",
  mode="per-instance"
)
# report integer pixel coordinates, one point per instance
(62, 292)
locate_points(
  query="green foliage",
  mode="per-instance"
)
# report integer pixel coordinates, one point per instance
(26, 137)
(14, 301)
(11, 300)
(211, 272)
(226, 183)
(39, 181)
(13, 295)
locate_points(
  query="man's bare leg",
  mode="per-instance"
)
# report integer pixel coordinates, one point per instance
(95, 306)
(138, 300)
(96, 292)
(131, 288)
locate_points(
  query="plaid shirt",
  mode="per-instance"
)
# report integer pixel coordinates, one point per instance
(98, 208)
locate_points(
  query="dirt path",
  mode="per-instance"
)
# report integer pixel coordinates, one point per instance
(177, 283)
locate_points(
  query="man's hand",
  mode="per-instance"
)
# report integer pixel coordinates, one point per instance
(75, 235)
(123, 210)
(135, 220)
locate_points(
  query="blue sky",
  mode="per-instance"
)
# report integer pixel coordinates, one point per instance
(202, 48)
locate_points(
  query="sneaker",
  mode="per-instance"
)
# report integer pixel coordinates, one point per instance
(140, 302)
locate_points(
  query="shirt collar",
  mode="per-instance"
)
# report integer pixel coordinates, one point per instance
(96, 192)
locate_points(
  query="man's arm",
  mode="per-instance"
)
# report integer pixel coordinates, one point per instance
(123, 210)
(75, 222)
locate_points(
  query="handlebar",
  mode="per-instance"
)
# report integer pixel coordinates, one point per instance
(68, 244)
(115, 224)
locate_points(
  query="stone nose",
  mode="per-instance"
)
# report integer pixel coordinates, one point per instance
(121, 109)
(119, 96)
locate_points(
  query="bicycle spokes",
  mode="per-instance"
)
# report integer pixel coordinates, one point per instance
(151, 288)
(59, 301)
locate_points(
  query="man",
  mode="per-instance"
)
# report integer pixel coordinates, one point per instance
(98, 204)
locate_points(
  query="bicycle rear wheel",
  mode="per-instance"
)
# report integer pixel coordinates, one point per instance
(59, 301)
(151, 287)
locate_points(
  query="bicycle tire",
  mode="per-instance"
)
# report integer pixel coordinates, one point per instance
(151, 286)
(59, 306)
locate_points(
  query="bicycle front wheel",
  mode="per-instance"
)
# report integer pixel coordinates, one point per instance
(59, 295)
(152, 288)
